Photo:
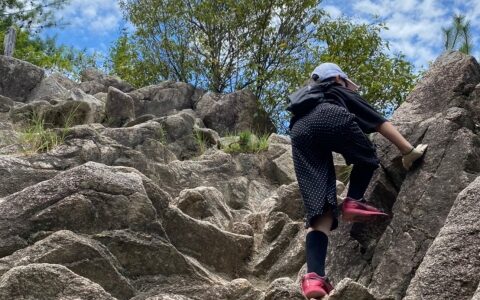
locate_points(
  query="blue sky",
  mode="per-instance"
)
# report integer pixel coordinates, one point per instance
(414, 25)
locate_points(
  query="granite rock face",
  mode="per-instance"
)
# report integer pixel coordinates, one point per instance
(150, 207)
(232, 113)
(451, 265)
(48, 281)
(441, 112)
(18, 78)
(119, 107)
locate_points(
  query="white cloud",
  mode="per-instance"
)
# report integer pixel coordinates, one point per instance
(333, 11)
(415, 26)
(98, 17)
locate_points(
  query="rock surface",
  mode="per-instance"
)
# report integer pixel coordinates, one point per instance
(18, 78)
(451, 265)
(48, 281)
(232, 113)
(151, 207)
(438, 112)
(119, 107)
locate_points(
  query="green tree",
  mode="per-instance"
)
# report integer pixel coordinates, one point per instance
(269, 47)
(223, 45)
(360, 51)
(458, 35)
(125, 60)
(29, 18)
(31, 15)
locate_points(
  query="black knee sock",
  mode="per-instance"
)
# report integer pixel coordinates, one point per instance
(316, 248)
(359, 179)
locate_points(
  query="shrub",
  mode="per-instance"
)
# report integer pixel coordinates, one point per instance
(245, 142)
(36, 137)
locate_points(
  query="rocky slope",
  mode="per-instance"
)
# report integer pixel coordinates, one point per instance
(130, 206)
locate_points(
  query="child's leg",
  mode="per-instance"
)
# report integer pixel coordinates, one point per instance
(359, 179)
(317, 243)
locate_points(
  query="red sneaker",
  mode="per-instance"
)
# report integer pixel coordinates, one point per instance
(315, 286)
(356, 211)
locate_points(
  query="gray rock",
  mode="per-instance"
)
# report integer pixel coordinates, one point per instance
(236, 195)
(148, 138)
(81, 255)
(233, 113)
(238, 289)
(271, 253)
(88, 199)
(163, 99)
(242, 228)
(209, 136)
(91, 74)
(476, 296)
(179, 132)
(274, 225)
(19, 78)
(384, 256)
(64, 81)
(292, 258)
(283, 289)
(94, 81)
(347, 289)
(289, 201)
(48, 89)
(280, 154)
(141, 254)
(74, 108)
(6, 104)
(168, 297)
(451, 266)
(119, 108)
(92, 87)
(226, 252)
(206, 204)
(48, 281)
(18, 173)
(101, 96)
(140, 120)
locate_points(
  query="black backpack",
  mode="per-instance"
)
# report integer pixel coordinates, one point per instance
(308, 97)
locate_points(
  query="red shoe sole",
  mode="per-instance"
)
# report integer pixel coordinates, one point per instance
(314, 293)
(363, 216)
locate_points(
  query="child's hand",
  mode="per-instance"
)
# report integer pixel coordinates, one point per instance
(409, 158)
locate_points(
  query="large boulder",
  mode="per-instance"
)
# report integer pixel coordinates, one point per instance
(18, 173)
(50, 88)
(280, 154)
(119, 108)
(6, 104)
(205, 203)
(48, 281)
(94, 81)
(347, 289)
(86, 199)
(81, 255)
(141, 254)
(74, 108)
(226, 252)
(283, 289)
(276, 258)
(438, 112)
(233, 112)
(238, 289)
(451, 267)
(165, 98)
(18, 78)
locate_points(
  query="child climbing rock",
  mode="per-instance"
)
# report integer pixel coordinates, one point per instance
(329, 115)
